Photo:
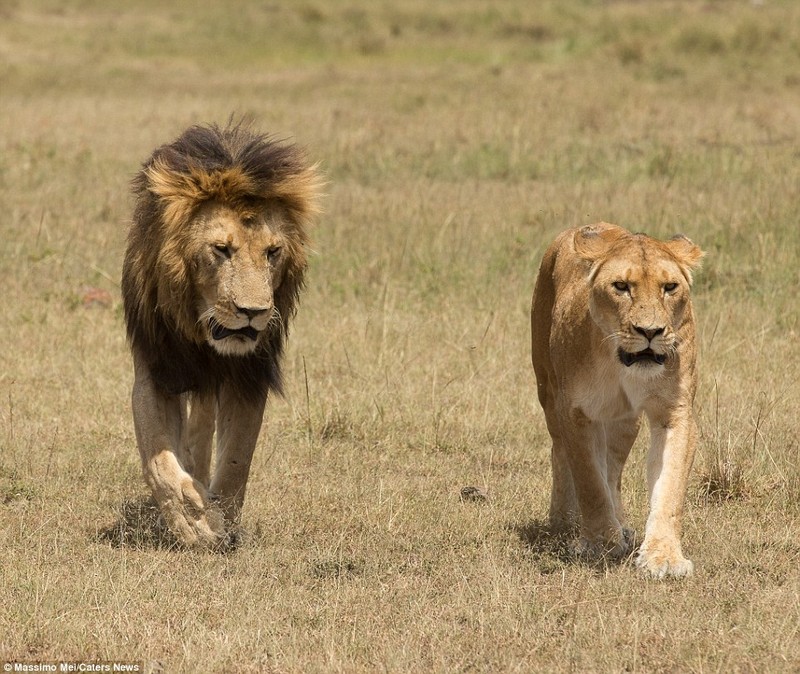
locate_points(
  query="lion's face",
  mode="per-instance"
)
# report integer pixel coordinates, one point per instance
(639, 294)
(237, 262)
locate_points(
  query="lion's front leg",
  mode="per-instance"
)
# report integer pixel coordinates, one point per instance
(668, 465)
(159, 421)
(238, 424)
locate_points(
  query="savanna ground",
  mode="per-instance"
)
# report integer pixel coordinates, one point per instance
(457, 139)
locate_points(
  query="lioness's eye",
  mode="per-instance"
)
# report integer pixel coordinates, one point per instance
(621, 286)
(670, 287)
(222, 250)
(273, 253)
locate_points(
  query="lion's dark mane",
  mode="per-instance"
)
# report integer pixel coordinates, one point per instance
(243, 168)
(179, 366)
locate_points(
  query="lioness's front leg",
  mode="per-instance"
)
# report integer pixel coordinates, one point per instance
(159, 422)
(601, 531)
(238, 424)
(670, 459)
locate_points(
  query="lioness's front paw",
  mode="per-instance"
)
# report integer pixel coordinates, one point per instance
(604, 549)
(660, 565)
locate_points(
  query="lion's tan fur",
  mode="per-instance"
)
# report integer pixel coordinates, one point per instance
(156, 261)
(215, 261)
(605, 297)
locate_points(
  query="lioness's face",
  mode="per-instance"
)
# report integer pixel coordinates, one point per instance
(238, 265)
(638, 300)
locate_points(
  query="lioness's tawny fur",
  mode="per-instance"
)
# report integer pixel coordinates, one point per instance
(215, 260)
(613, 336)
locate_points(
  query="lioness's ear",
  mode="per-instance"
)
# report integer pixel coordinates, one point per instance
(592, 241)
(687, 253)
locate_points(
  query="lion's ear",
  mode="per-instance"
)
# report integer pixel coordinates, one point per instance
(593, 241)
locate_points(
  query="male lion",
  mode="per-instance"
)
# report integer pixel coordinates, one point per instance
(214, 264)
(613, 335)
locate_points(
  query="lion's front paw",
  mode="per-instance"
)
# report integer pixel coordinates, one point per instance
(189, 511)
(193, 518)
(658, 564)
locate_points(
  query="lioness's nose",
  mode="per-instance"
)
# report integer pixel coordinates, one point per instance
(648, 332)
(251, 312)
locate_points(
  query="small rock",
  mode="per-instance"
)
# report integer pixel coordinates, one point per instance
(473, 494)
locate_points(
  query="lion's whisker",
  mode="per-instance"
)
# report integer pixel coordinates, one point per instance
(205, 316)
(276, 320)
(618, 335)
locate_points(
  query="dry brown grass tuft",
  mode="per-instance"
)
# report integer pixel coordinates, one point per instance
(139, 526)
(724, 481)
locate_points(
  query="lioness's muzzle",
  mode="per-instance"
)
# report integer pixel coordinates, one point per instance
(644, 356)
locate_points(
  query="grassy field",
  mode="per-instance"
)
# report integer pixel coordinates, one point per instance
(457, 138)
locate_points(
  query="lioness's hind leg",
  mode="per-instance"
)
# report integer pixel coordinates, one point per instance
(620, 436)
(564, 513)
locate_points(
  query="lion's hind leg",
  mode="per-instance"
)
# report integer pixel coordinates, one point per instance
(564, 515)
(237, 433)
(199, 437)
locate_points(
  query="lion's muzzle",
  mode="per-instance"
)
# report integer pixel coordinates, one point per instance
(219, 331)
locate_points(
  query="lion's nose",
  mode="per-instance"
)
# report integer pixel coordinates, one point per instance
(251, 312)
(648, 332)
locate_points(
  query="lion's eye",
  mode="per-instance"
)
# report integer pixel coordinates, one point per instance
(222, 250)
(670, 287)
(621, 286)
(273, 253)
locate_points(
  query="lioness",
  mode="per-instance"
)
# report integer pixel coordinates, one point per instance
(613, 335)
(214, 263)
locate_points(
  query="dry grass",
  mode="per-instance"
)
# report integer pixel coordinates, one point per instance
(458, 139)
